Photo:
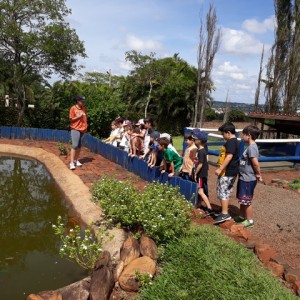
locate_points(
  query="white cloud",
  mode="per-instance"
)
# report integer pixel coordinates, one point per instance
(254, 26)
(240, 42)
(135, 43)
(229, 70)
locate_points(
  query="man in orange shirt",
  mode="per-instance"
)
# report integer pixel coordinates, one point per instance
(78, 120)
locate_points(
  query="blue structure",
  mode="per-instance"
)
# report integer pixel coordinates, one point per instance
(268, 151)
(120, 157)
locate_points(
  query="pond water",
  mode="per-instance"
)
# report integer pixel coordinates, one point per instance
(29, 251)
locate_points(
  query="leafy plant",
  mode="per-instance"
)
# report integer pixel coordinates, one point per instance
(160, 211)
(144, 279)
(80, 246)
(295, 184)
(62, 148)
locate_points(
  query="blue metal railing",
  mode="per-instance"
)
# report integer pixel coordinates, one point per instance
(270, 150)
(120, 157)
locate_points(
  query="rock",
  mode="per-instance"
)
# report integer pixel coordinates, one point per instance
(148, 247)
(296, 287)
(118, 268)
(130, 250)
(279, 260)
(102, 279)
(79, 290)
(240, 231)
(276, 268)
(264, 252)
(143, 265)
(292, 275)
(275, 180)
(50, 295)
(227, 224)
(34, 297)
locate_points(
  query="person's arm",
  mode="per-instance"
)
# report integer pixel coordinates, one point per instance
(198, 169)
(163, 166)
(73, 117)
(225, 163)
(172, 167)
(256, 168)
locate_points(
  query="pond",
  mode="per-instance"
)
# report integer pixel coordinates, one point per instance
(29, 251)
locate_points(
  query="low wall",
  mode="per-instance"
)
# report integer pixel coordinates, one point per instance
(120, 157)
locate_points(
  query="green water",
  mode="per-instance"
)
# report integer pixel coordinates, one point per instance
(29, 204)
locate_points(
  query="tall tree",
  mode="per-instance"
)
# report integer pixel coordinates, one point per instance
(36, 41)
(209, 42)
(283, 69)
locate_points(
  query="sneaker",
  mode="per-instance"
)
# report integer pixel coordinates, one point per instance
(222, 218)
(247, 223)
(77, 163)
(72, 166)
(238, 219)
(209, 212)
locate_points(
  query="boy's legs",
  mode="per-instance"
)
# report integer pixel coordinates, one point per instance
(203, 191)
(245, 193)
(224, 191)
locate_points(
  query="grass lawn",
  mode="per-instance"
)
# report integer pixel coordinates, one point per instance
(208, 265)
(178, 140)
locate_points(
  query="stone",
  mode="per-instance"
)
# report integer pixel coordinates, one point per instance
(279, 260)
(227, 224)
(144, 265)
(130, 250)
(118, 268)
(240, 231)
(79, 290)
(34, 297)
(148, 247)
(102, 279)
(276, 268)
(264, 252)
(50, 295)
(292, 275)
(275, 180)
(296, 287)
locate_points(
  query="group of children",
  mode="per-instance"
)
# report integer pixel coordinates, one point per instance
(142, 140)
(230, 167)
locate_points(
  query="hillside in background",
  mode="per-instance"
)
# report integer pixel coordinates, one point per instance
(245, 107)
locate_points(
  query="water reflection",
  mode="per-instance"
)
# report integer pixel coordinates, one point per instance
(29, 204)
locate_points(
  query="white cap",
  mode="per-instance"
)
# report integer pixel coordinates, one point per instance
(140, 122)
(165, 135)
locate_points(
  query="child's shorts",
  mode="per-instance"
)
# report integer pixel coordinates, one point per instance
(202, 184)
(225, 187)
(245, 191)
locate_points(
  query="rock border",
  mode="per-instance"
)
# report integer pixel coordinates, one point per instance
(264, 252)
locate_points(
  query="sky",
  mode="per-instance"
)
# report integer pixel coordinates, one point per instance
(109, 28)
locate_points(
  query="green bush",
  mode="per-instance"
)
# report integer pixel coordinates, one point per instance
(295, 184)
(160, 211)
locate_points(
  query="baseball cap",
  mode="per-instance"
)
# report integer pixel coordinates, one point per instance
(155, 134)
(195, 131)
(126, 123)
(140, 122)
(200, 135)
(165, 135)
(79, 98)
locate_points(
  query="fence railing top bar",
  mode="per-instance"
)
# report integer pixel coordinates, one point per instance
(211, 129)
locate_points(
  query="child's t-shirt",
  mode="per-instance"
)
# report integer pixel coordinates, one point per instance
(201, 157)
(246, 170)
(171, 156)
(231, 146)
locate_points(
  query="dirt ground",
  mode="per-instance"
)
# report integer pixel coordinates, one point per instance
(276, 213)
